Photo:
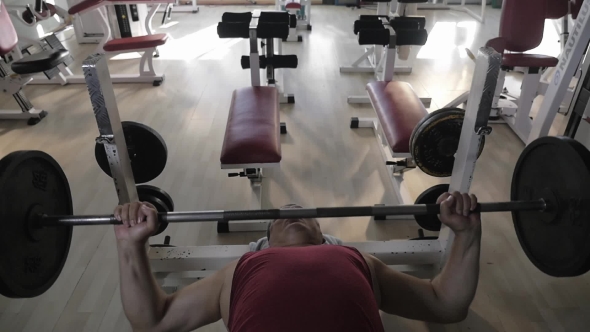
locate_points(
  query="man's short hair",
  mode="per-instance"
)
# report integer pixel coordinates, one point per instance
(288, 206)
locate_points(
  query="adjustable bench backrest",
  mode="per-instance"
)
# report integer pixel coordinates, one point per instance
(522, 23)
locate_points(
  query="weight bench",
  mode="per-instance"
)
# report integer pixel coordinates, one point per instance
(398, 110)
(143, 44)
(252, 142)
(300, 8)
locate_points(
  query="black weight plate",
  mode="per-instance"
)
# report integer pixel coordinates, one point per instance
(149, 195)
(558, 170)
(147, 151)
(429, 196)
(434, 141)
(158, 193)
(32, 183)
(424, 119)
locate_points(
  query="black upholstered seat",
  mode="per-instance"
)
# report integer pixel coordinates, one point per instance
(39, 62)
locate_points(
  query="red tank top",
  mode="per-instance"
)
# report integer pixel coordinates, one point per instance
(303, 289)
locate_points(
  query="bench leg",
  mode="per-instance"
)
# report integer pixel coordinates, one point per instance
(286, 98)
(255, 177)
(395, 172)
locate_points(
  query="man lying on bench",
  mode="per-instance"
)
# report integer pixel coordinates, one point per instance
(298, 284)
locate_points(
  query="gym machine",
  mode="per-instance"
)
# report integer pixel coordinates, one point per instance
(246, 25)
(515, 112)
(16, 74)
(130, 22)
(300, 8)
(373, 60)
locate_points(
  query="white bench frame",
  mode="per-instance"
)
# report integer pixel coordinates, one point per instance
(386, 74)
(284, 98)
(372, 60)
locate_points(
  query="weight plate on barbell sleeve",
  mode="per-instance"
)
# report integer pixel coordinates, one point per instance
(435, 139)
(430, 222)
(159, 199)
(556, 169)
(147, 151)
(32, 183)
(158, 193)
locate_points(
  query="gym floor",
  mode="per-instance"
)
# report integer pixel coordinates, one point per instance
(324, 164)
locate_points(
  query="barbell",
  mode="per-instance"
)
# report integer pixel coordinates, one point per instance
(549, 205)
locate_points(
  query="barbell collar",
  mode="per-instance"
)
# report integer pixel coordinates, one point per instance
(325, 212)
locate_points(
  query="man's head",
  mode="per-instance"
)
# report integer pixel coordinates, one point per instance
(294, 232)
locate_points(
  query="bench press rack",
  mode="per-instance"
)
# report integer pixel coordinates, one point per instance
(176, 267)
(179, 266)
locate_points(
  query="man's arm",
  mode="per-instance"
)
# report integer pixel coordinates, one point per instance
(148, 308)
(445, 299)
(146, 305)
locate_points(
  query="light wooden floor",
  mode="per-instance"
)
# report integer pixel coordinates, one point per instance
(324, 164)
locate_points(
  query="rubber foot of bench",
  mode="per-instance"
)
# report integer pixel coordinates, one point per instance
(300, 38)
(222, 227)
(283, 128)
(379, 218)
(34, 121)
(309, 27)
(354, 123)
(291, 100)
(158, 83)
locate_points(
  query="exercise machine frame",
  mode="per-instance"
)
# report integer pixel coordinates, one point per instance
(147, 73)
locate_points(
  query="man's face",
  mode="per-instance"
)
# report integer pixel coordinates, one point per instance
(295, 232)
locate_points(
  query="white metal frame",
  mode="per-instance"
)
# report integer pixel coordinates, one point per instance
(284, 98)
(146, 74)
(569, 62)
(372, 61)
(444, 4)
(176, 8)
(386, 74)
(255, 201)
(12, 85)
(400, 189)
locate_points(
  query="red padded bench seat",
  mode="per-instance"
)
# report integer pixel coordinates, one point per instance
(293, 4)
(135, 43)
(252, 134)
(399, 110)
(528, 60)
